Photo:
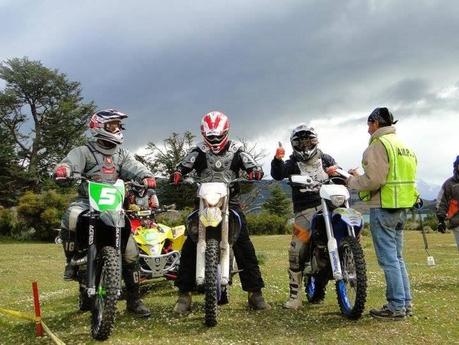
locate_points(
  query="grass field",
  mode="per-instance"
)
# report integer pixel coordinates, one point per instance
(435, 290)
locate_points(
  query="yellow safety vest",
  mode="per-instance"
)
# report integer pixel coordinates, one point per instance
(399, 191)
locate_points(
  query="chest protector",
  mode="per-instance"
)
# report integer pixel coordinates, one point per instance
(218, 167)
(101, 167)
(314, 169)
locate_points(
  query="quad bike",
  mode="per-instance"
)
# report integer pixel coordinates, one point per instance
(98, 262)
(159, 244)
(335, 249)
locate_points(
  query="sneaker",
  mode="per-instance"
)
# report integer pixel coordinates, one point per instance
(256, 301)
(386, 314)
(183, 304)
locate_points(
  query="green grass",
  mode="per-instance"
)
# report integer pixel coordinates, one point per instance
(435, 290)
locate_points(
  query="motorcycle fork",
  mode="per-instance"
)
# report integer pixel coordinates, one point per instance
(331, 244)
(92, 253)
(201, 250)
(224, 244)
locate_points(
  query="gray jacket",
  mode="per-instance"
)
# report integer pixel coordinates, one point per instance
(90, 162)
(448, 192)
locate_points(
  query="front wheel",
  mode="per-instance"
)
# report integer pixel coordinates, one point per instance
(107, 288)
(352, 289)
(211, 282)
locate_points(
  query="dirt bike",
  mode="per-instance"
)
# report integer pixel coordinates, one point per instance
(335, 250)
(158, 243)
(98, 262)
(215, 262)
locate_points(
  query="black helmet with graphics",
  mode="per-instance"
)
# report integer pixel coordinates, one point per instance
(106, 125)
(304, 142)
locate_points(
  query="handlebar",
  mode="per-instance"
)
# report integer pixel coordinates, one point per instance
(193, 180)
(306, 180)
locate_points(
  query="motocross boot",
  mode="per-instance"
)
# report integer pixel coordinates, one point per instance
(68, 242)
(133, 302)
(256, 301)
(295, 300)
(183, 304)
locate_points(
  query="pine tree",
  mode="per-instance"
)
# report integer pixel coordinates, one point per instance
(278, 203)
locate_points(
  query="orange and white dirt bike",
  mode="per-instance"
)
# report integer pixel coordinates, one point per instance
(159, 244)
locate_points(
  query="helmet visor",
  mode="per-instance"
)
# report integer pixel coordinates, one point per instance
(113, 126)
(215, 139)
(304, 141)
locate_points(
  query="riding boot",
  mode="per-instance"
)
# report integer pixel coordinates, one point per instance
(68, 242)
(295, 300)
(257, 301)
(183, 304)
(134, 304)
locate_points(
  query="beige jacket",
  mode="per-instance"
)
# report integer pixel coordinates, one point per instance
(376, 168)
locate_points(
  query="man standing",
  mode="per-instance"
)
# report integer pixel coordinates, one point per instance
(448, 203)
(388, 185)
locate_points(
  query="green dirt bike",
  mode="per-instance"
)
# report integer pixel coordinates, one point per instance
(98, 262)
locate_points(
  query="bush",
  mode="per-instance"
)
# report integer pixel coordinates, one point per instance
(8, 220)
(40, 214)
(267, 224)
(174, 218)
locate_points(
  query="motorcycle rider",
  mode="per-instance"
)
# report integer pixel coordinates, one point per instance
(103, 159)
(307, 159)
(218, 156)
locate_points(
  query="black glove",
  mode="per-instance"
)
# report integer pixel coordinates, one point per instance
(441, 227)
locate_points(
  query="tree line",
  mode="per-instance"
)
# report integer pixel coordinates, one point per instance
(43, 115)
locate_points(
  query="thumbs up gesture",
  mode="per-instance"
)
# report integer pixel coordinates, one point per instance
(280, 152)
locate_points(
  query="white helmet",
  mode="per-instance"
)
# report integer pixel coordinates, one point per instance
(106, 125)
(304, 142)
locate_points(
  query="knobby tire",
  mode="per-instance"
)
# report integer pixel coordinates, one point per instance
(350, 246)
(210, 283)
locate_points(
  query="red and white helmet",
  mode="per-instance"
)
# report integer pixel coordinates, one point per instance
(214, 129)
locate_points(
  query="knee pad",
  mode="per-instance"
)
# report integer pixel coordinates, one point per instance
(70, 218)
(300, 233)
(131, 253)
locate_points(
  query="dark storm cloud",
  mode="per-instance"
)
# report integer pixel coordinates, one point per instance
(263, 62)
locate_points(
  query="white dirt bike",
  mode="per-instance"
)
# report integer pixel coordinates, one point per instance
(335, 251)
(215, 262)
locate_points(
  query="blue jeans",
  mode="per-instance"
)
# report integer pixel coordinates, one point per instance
(387, 233)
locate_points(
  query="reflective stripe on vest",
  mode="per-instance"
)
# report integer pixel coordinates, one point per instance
(399, 191)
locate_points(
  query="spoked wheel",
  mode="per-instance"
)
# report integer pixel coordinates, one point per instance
(352, 289)
(211, 282)
(315, 287)
(104, 309)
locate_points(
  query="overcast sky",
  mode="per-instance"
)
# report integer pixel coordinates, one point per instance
(269, 65)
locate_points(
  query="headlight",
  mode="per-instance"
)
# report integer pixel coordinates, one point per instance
(337, 200)
(213, 200)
